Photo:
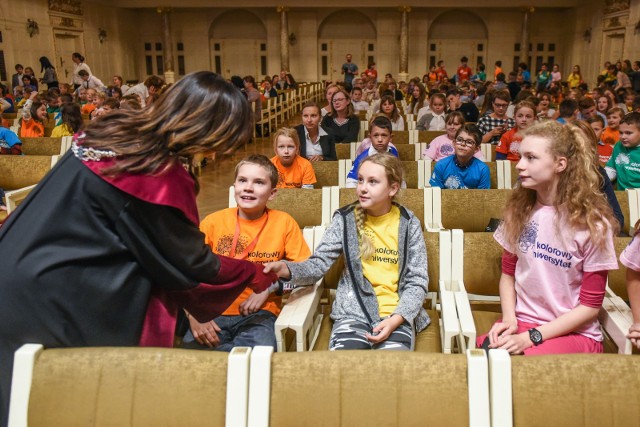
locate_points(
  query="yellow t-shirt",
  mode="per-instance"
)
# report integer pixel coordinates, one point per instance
(280, 239)
(61, 130)
(382, 269)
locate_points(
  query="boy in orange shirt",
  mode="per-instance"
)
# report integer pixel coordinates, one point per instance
(604, 150)
(294, 171)
(257, 234)
(611, 133)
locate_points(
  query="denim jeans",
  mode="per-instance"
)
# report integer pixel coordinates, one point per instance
(240, 331)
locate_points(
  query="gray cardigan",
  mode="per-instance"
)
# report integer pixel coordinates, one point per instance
(412, 284)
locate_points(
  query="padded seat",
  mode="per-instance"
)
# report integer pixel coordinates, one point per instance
(22, 171)
(484, 320)
(471, 210)
(429, 135)
(42, 146)
(618, 278)
(304, 205)
(343, 151)
(623, 201)
(327, 173)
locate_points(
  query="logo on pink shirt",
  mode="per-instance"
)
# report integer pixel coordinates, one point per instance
(528, 236)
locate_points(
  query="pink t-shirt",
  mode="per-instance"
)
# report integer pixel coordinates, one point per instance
(551, 261)
(630, 257)
(441, 147)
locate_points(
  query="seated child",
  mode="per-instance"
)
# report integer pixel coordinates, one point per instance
(90, 94)
(462, 170)
(294, 171)
(630, 258)
(365, 144)
(9, 142)
(611, 133)
(435, 119)
(71, 121)
(509, 146)
(604, 150)
(380, 135)
(356, 99)
(557, 237)
(389, 108)
(257, 234)
(379, 299)
(622, 166)
(568, 110)
(34, 114)
(442, 146)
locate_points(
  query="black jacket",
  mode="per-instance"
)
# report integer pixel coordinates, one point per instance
(326, 143)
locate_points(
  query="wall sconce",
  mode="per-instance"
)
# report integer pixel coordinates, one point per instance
(102, 35)
(32, 27)
(292, 39)
(587, 35)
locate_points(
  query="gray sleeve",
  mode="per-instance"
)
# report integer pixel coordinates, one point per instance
(328, 251)
(416, 279)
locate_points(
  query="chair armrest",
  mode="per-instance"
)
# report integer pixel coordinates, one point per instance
(237, 386)
(500, 387)
(616, 322)
(15, 196)
(450, 327)
(478, 383)
(24, 362)
(301, 315)
(468, 332)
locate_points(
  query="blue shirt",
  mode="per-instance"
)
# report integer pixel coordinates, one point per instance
(8, 139)
(448, 175)
(352, 177)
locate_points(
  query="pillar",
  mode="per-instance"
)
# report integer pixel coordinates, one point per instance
(403, 74)
(167, 46)
(284, 38)
(524, 39)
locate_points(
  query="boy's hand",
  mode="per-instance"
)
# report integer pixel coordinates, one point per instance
(205, 333)
(279, 268)
(254, 303)
(634, 334)
(385, 328)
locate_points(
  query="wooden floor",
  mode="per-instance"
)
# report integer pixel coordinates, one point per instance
(217, 177)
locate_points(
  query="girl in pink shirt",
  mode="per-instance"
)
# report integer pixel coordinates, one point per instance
(442, 146)
(557, 237)
(630, 258)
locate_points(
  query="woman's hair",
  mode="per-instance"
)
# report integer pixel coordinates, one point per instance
(395, 175)
(609, 103)
(260, 160)
(289, 133)
(421, 98)
(201, 112)
(77, 56)
(590, 134)
(395, 114)
(71, 116)
(578, 191)
(473, 132)
(45, 63)
(350, 110)
(457, 116)
(292, 81)
(381, 121)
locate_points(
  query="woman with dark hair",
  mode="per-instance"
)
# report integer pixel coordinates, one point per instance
(106, 250)
(50, 77)
(71, 121)
(78, 64)
(290, 82)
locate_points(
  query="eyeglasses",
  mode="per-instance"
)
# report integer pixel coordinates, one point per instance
(495, 104)
(338, 100)
(465, 142)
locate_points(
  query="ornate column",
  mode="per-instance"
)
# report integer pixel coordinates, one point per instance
(284, 38)
(524, 39)
(167, 45)
(403, 75)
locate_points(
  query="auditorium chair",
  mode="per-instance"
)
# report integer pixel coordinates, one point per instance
(308, 207)
(629, 202)
(131, 386)
(46, 146)
(397, 137)
(346, 151)
(425, 136)
(329, 173)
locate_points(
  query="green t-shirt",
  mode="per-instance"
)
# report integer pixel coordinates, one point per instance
(626, 163)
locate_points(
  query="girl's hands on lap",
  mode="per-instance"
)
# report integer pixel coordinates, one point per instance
(501, 330)
(279, 268)
(385, 328)
(634, 334)
(514, 344)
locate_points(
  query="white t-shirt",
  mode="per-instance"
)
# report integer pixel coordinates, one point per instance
(551, 260)
(360, 105)
(314, 149)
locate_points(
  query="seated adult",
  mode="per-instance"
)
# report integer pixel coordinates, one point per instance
(495, 123)
(90, 81)
(462, 170)
(328, 93)
(341, 121)
(269, 91)
(316, 144)
(468, 109)
(146, 89)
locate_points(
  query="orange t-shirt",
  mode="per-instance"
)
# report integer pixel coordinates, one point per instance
(510, 145)
(88, 108)
(610, 136)
(280, 239)
(604, 152)
(31, 129)
(295, 176)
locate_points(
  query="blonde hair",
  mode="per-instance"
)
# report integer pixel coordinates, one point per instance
(395, 175)
(579, 187)
(289, 133)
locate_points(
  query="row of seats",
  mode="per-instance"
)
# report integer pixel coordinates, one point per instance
(258, 388)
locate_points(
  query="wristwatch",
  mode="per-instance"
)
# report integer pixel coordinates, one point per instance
(535, 336)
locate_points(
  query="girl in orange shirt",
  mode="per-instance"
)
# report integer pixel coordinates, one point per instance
(34, 114)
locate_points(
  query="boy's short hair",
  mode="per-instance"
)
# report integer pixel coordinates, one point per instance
(289, 133)
(586, 103)
(83, 73)
(260, 160)
(568, 107)
(356, 89)
(381, 121)
(499, 63)
(631, 119)
(596, 118)
(113, 103)
(473, 131)
(464, 59)
(616, 110)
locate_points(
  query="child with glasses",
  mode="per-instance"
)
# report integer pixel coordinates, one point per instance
(495, 123)
(442, 146)
(462, 170)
